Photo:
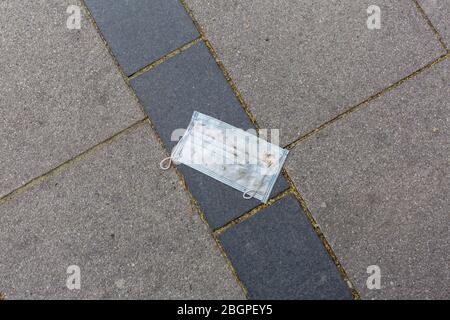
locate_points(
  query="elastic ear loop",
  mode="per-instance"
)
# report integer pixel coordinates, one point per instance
(163, 162)
(249, 194)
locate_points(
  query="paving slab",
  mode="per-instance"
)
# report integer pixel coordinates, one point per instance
(377, 183)
(128, 225)
(60, 90)
(301, 63)
(142, 31)
(278, 255)
(439, 12)
(170, 93)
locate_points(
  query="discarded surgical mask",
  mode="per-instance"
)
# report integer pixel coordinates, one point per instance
(230, 155)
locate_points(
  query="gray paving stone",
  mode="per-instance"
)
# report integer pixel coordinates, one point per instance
(377, 183)
(142, 31)
(301, 63)
(170, 94)
(277, 255)
(439, 12)
(128, 226)
(60, 90)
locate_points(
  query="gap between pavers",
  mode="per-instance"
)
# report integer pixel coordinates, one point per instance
(438, 12)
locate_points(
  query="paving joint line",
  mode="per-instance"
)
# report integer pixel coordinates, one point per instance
(89, 16)
(69, 163)
(325, 243)
(201, 214)
(221, 65)
(125, 78)
(164, 58)
(365, 103)
(219, 231)
(431, 25)
(292, 188)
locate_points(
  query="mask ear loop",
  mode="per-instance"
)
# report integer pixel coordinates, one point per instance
(163, 162)
(249, 194)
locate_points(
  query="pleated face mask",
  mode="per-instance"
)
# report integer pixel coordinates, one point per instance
(230, 155)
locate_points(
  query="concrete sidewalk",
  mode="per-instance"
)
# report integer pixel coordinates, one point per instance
(107, 207)
(87, 115)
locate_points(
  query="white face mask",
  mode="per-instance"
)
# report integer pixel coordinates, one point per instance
(231, 155)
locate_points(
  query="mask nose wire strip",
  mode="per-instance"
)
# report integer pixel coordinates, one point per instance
(163, 164)
(249, 194)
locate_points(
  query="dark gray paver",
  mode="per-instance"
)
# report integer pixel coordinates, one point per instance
(300, 63)
(170, 94)
(129, 227)
(439, 13)
(60, 92)
(277, 255)
(142, 31)
(378, 185)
